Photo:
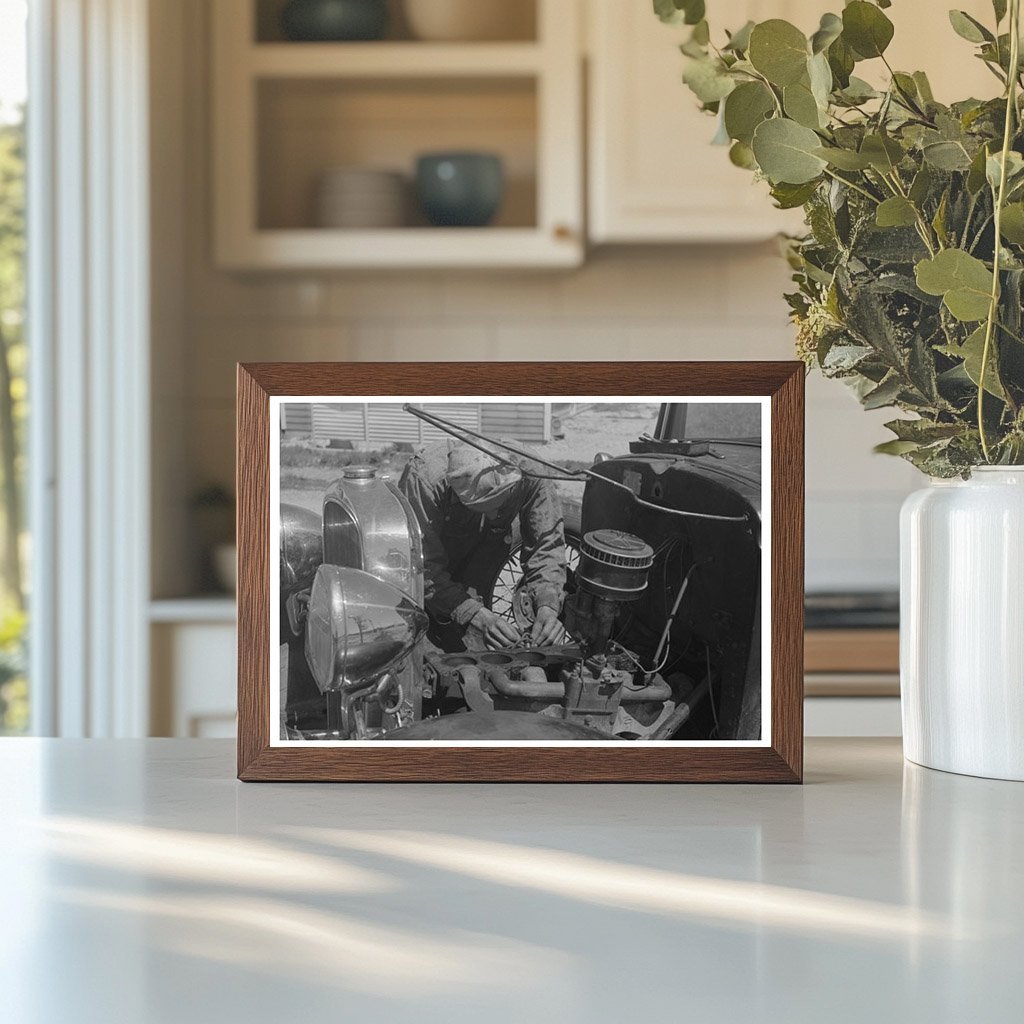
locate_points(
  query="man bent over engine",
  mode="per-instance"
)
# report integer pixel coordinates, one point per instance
(466, 503)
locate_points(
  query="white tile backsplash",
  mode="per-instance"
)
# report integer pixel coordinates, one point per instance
(718, 302)
(653, 302)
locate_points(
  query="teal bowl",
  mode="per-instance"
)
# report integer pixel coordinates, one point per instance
(334, 21)
(460, 190)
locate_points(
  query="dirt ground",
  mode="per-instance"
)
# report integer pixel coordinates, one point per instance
(308, 470)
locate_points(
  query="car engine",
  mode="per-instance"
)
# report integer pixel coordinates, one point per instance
(661, 616)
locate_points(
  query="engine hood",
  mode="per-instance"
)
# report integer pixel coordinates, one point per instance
(727, 481)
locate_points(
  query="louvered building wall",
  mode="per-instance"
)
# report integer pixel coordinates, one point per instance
(521, 421)
(297, 419)
(337, 419)
(387, 422)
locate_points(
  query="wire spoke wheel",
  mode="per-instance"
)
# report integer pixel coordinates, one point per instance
(509, 597)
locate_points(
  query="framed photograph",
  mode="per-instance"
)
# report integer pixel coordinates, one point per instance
(520, 572)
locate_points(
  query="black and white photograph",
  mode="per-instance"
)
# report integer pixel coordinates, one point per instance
(536, 571)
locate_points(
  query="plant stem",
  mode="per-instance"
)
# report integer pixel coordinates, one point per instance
(923, 228)
(969, 218)
(993, 309)
(850, 184)
(981, 231)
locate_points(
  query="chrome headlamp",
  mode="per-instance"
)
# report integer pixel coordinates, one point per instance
(358, 627)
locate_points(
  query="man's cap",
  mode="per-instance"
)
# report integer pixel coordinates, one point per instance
(479, 480)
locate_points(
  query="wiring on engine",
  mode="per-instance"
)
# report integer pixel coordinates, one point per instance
(711, 694)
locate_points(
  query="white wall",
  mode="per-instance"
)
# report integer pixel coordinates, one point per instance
(701, 303)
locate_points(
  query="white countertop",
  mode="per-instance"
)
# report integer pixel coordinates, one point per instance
(143, 885)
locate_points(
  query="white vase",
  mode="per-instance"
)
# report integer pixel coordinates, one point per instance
(962, 624)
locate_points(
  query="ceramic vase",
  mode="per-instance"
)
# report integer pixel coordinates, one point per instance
(962, 624)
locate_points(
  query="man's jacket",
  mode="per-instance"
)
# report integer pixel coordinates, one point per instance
(452, 533)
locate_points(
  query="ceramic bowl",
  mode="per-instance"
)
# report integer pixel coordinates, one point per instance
(358, 197)
(460, 189)
(470, 20)
(334, 20)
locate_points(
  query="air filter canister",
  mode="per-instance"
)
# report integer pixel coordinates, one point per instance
(614, 565)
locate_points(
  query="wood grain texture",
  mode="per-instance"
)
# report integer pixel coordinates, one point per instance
(852, 650)
(252, 483)
(782, 761)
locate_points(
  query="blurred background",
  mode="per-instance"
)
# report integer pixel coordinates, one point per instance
(247, 180)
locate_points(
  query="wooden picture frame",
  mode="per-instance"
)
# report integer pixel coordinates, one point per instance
(778, 757)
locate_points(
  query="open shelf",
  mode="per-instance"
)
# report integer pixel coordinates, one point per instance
(405, 248)
(306, 128)
(393, 60)
(520, 17)
(288, 113)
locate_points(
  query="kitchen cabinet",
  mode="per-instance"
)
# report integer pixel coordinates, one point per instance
(192, 647)
(653, 175)
(287, 113)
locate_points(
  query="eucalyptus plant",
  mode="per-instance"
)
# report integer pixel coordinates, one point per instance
(910, 278)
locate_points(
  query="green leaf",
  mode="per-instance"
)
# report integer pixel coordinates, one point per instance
(883, 153)
(895, 447)
(1014, 169)
(921, 185)
(800, 105)
(969, 28)
(741, 155)
(924, 87)
(841, 60)
(971, 352)
(999, 6)
(831, 28)
(844, 159)
(976, 174)
(866, 29)
(745, 108)
(885, 394)
(1012, 226)
(676, 12)
(785, 152)
(708, 80)
(858, 91)
(923, 431)
(896, 212)
(906, 90)
(789, 197)
(820, 76)
(778, 50)
(667, 11)
(739, 41)
(963, 281)
(695, 11)
(947, 156)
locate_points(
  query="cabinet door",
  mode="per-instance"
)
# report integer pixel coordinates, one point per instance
(654, 175)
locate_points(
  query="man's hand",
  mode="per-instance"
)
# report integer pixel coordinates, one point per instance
(497, 632)
(547, 629)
